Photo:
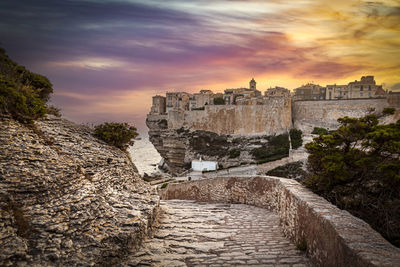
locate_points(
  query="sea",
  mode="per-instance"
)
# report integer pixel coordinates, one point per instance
(144, 155)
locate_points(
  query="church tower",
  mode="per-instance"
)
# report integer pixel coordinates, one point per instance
(253, 84)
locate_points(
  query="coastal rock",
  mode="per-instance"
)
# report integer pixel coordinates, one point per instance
(179, 147)
(67, 198)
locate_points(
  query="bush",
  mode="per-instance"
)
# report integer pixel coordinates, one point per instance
(219, 101)
(357, 168)
(116, 134)
(388, 111)
(234, 153)
(278, 148)
(23, 103)
(295, 137)
(54, 111)
(164, 185)
(319, 131)
(23, 94)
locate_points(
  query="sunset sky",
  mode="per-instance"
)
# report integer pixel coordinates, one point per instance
(106, 58)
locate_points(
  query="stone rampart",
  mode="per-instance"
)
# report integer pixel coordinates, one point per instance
(324, 113)
(273, 117)
(332, 237)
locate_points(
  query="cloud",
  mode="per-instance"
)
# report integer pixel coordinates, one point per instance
(99, 53)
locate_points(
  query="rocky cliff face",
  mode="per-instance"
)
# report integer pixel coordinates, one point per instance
(67, 198)
(179, 147)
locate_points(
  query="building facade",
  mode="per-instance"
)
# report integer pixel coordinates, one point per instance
(310, 91)
(365, 88)
(159, 105)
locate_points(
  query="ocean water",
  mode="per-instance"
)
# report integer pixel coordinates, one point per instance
(144, 155)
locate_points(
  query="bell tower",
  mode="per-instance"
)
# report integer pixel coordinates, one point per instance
(253, 84)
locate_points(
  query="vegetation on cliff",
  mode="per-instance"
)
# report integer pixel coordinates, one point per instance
(23, 94)
(357, 168)
(295, 138)
(277, 148)
(319, 131)
(116, 134)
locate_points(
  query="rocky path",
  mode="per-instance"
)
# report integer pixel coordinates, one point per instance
(202, 234)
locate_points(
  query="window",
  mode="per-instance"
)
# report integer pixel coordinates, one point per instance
(369, 94)
(361, 94)
(170, 97)
(361, 88)
(330, 95)
(169, 104)
(176, 104)
(369, 87)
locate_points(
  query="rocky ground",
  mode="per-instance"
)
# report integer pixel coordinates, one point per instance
(67, 198)
(203, 234)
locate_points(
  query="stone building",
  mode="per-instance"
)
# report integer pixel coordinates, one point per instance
(178, 100)
(334, 92)
(230, 95)
(309, 91)
(205, 97)
(159, 105)
(253, 84)
(365, 88)
(277, 92)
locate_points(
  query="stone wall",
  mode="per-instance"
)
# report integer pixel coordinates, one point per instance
(67, 198)
(273, 117)
(324, 113)
(333, 237)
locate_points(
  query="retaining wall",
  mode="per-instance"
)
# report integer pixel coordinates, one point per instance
(324, 113)
(274, 116)
(334, 237)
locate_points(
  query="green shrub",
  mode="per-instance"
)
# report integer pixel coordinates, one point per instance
(319, 131)
(23, 94)
(164, 185)
(54, 111)
(234, 153)
(200, 108)
(219, 101)
(271, 158)
(357, 168)
(278, 148)
(116, 134)
(295, 137)
(388, 111)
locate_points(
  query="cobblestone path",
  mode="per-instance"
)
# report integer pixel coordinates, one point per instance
(202, 234)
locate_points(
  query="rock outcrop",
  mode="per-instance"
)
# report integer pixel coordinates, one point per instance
(179, 147)
(67, 198)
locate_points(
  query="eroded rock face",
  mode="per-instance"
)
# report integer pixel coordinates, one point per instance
(67, 198)
(179, 147)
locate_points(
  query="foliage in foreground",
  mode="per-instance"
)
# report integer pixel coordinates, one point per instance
(357, 168)
(319, 131)
(295, 138)
(23, 94)
(116, 134)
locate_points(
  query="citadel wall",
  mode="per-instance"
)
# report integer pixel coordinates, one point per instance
(310, 114)
(273, 117)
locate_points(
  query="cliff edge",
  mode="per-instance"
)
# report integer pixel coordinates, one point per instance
(67, 198)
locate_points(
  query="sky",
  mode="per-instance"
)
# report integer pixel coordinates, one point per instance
(107, 58)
